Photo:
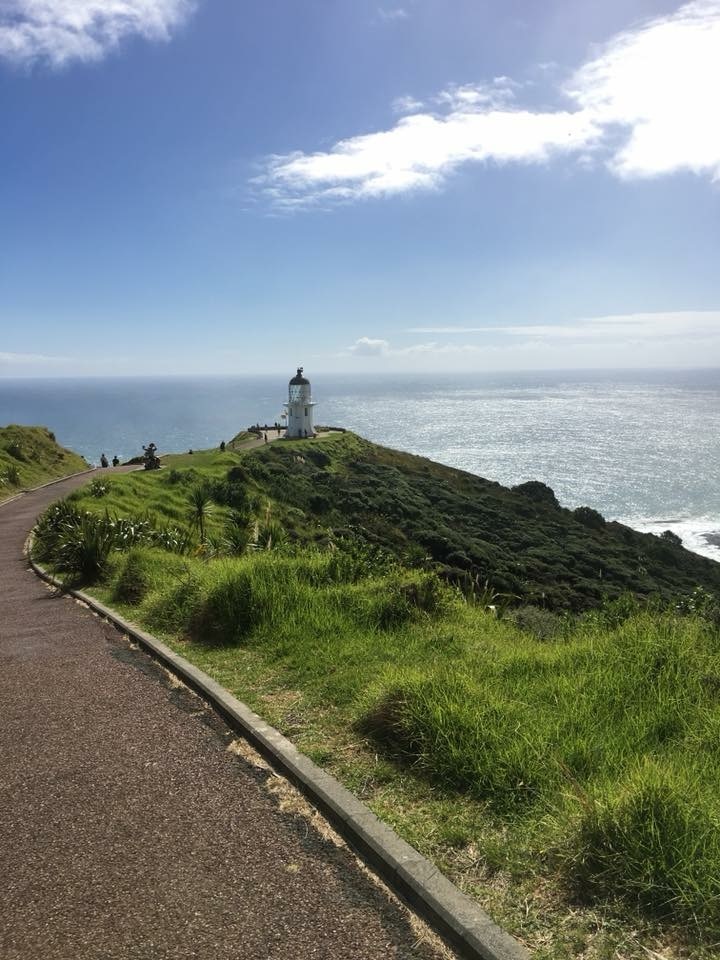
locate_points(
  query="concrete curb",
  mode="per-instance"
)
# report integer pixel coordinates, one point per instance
(50, 483)
(419, 882)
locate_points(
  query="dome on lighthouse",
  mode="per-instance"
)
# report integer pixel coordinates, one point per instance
(299, 379)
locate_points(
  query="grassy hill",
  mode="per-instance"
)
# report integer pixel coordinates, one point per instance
(30, 456)
(520, 541)
(562, 767)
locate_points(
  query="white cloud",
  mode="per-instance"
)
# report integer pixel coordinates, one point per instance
(23, 358)
(59, 31)
(392, 14)
(406, 104)
(30, 364)
(367, 347)
(647, 103)
(689, 338)
(661, 83)
(632, 327)
(420, 151)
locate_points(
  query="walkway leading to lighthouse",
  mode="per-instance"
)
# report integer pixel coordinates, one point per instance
(128, 829)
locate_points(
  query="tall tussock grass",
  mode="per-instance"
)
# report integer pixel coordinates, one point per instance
(652, 838)
(226, 601)
(610, 736)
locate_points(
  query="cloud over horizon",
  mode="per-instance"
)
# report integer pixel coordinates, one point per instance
(663, 338)
(57, 32)
(690, 324)
(645, 105)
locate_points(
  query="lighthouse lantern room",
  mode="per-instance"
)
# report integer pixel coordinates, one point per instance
(299, 407)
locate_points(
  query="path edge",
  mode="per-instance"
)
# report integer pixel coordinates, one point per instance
(50, 483)
(410, 875)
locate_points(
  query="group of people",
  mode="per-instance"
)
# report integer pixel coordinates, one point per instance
(104, 461)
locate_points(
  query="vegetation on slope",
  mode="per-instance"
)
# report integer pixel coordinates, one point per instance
(561, 768)
(30, 456)
(521, 542)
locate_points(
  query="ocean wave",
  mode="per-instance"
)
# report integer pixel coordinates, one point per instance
(699, 534)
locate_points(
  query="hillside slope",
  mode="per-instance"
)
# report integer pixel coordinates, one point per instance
(563, 770)
(30, 456)
(518, 540)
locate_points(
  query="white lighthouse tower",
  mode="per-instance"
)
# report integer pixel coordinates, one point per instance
(299, 407)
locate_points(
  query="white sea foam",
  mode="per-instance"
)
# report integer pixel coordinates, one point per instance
(693, 532)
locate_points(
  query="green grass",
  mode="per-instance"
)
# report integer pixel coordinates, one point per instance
(30, 456)
(584, 770)
(563, 770)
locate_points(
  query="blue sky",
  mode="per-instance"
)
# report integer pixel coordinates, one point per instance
(232, 187)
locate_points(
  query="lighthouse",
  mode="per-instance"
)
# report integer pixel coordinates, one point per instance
(299, 407)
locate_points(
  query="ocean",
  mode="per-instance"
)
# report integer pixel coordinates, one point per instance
(642, 447)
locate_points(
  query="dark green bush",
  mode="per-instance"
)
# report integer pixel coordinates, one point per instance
(538, 492)
(589, 517)
(16, 451)
(238, 474)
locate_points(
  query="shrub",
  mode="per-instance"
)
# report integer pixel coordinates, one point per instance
(542, 624)
(237, 532)
(589, 518)
(615, 612)
(669, 537)
(16, 451)
(174, 539)
(173, 609)
(270, 534)
(99, 488)
(51, 526)
(317, 456)
(238, 474)
(228, 493)
(538, 492)
(12, 475)
(83, 548)
(70, 539)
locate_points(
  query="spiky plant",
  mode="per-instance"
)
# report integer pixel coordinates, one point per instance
(199, 508)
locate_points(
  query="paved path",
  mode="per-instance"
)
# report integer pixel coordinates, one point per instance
(127, 827)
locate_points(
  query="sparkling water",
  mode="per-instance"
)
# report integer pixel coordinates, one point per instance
(641, 447)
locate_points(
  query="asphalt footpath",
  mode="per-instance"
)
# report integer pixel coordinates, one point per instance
(134, 825)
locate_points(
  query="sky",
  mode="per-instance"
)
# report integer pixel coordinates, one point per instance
(227, 186)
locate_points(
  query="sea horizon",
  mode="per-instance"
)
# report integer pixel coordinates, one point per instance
(641, 446)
